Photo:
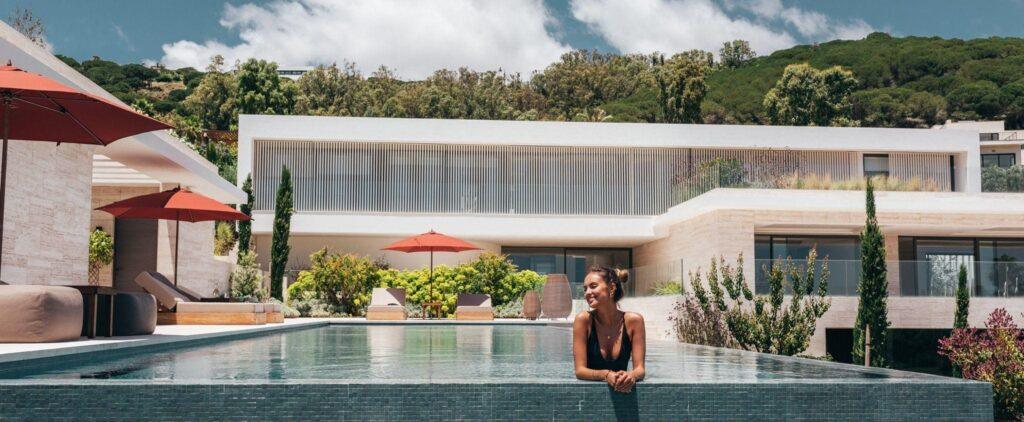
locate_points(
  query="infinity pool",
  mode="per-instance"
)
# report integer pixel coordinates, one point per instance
(460, 372)
(466, 353)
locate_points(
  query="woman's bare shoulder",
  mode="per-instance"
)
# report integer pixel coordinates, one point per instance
(633, 319)
(583, 316)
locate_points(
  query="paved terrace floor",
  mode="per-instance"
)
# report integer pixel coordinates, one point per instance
(169, 334)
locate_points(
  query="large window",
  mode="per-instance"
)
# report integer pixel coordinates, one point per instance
(876, 165)
(843, 253)
(930, 266)
(572, 262)
(998, 160)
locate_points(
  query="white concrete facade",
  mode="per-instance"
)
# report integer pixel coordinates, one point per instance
(719, 222)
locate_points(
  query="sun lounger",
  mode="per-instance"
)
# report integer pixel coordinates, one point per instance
(386, 304)
(473, 307)
(40, 314)
(184, 308)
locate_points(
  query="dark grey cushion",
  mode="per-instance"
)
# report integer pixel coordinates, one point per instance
(134, 314)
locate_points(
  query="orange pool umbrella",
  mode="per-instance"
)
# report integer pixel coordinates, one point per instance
(37, 108)
(431, 242)
(176, 204)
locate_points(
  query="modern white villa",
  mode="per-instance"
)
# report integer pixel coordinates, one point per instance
(660, 199)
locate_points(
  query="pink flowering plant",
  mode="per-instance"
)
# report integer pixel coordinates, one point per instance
(995, 355)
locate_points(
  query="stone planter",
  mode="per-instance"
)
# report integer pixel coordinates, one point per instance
(531, 305)
(557, 299)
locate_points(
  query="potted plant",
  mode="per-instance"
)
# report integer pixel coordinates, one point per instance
(101, 253)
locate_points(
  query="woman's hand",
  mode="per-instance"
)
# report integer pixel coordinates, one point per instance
(612, 378)
(624, 382)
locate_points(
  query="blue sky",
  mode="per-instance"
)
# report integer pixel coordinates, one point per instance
(417, 37)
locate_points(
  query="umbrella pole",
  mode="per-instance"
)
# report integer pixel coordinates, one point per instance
(431, 281)
(177, 227)
(3, 178)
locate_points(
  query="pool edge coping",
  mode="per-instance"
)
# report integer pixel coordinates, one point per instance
(185, 340)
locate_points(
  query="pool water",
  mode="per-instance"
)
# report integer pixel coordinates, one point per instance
(411, 353)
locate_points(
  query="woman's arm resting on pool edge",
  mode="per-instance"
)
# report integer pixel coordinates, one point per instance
(580, 329)
(638, 334)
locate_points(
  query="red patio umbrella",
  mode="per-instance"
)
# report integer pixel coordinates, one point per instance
(36, 108)
(431, 242)
(176, 204)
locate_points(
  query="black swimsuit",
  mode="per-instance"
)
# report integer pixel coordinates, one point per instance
(594, 358)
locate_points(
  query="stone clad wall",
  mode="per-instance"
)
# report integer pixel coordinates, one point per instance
(199, 270)
(727, 232)
(46, 224)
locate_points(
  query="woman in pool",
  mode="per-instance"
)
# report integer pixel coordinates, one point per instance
(604, 338)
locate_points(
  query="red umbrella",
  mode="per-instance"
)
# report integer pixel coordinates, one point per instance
(176, 204)
(36, 108)
(431, 242)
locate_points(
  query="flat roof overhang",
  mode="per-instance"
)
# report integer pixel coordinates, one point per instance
(1006, 206)
(506, 230)
(149, 158)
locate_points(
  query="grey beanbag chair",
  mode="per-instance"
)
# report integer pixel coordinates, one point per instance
(39, 314)
(134, 314)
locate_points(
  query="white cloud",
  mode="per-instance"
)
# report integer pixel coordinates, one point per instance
(808, 23)
(643, 26)
(412, 37)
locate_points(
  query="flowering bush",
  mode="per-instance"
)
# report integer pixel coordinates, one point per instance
(700, 323)
(995, 355)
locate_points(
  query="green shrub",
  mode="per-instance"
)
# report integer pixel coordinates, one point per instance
(343, 280)
(1002, 179)
(448, 282)
(513, 309)
(308, 305)
(247, 280)
(342, 284)
(667, 288)
(303, 283)
(223, 238)
(490, 274)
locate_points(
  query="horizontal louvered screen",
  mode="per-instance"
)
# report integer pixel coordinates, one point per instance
(331, 176)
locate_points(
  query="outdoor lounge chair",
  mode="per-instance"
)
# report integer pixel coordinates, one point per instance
(179, 307)
(40, 314)
(386, 304)
(273, 310)
(473, 307)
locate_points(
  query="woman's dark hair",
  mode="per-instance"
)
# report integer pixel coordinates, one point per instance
(612, 276)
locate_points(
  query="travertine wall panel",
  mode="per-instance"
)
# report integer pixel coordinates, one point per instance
(46, 224)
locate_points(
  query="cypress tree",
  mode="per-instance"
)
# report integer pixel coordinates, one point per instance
(279, 248)
(245, 227)
(873, 289)
(963, 299)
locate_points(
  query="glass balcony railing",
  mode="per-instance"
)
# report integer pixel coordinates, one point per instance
(665, 278)
(935, 277)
